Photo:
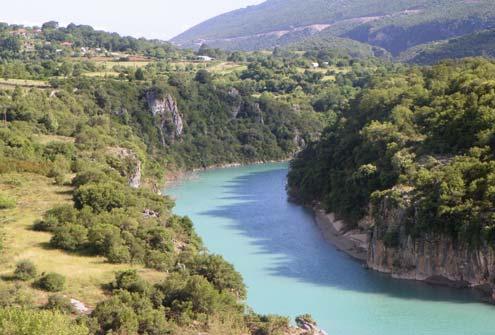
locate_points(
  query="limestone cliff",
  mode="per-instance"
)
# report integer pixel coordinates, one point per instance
(168, 119)
(127, 163)
(434, 257)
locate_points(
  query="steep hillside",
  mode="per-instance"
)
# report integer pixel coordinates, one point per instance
(411, 163)
(393, 25)
(481, 43)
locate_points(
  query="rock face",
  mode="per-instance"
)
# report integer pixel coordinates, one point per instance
(167, 116)
(235, 101)
(307, 326)
(80, 307)
(133, 168)
(432, 257)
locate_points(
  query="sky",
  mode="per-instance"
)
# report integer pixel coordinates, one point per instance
(161, 19)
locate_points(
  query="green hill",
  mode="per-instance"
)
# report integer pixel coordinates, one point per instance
(393, 25)
(481, 43)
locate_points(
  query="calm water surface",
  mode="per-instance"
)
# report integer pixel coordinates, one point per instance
(243, 214)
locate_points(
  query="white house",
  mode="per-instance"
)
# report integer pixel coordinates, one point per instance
(205, 58)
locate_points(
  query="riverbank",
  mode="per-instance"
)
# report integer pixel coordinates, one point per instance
(176, 176)
(353, 242)
(290, 269)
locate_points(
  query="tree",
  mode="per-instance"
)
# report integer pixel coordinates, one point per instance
(203, 77)
(50, 25)
(139, 74)
(70, 237)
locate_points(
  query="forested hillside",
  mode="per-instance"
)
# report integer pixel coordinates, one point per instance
(392, 25)
(414, 156)
(415, 130)
(477, 44)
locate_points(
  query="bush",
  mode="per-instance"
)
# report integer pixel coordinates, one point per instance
(15, 296)
(6, 202)
(25, 270)
(59, 303)
(71, 237)
(51, 282)
(158, 260)
(130, 281)
(101, 197)
(55, 217)
(267, 324)
(118, 253)
(16, 321)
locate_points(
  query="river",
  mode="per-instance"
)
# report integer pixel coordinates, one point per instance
(289, 269)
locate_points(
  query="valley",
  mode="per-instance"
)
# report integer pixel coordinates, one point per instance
(149, 188)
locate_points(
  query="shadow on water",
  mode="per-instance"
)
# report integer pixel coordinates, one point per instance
(260, 211)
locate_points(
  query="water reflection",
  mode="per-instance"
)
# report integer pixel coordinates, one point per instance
(261, 213)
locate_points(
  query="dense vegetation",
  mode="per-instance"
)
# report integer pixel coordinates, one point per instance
(423, 138)
(393, 25)
(51, 40)
(108, 127)
(480, 43)
(107, 140)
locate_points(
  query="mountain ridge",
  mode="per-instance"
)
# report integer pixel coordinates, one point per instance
(396, 26)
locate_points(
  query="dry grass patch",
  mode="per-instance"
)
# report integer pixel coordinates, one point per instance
(24, 83)
(85, 274)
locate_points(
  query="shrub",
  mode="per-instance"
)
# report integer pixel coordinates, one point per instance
(220, 273)
(59, 303)
(25, 270)
(130, 281)
(18, 321)
(267, 324)
(57, 216)
(101, 197)
(158, 260)
(118, 253)
(15, 296)
(71, 237)
(51, 282)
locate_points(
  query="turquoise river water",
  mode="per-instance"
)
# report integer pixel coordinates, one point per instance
(289, 269)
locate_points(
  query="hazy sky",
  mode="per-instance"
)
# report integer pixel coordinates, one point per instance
(149, 18)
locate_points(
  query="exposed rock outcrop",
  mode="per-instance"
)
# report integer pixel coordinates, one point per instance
(235, 101)
(130, 165)
(308, 326)
(80, 307)
(384, 243)
(168, 119)
(433, 257)
(252, 111)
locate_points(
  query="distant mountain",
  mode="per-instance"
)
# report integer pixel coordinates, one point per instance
(395, 26)
(480, 43)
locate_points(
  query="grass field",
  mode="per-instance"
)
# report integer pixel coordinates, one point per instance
(23, 83)
(45, 139)
(226, 68)
(85, 275)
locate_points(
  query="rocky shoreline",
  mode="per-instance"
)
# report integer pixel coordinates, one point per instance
(352, 242)
(360, 245)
